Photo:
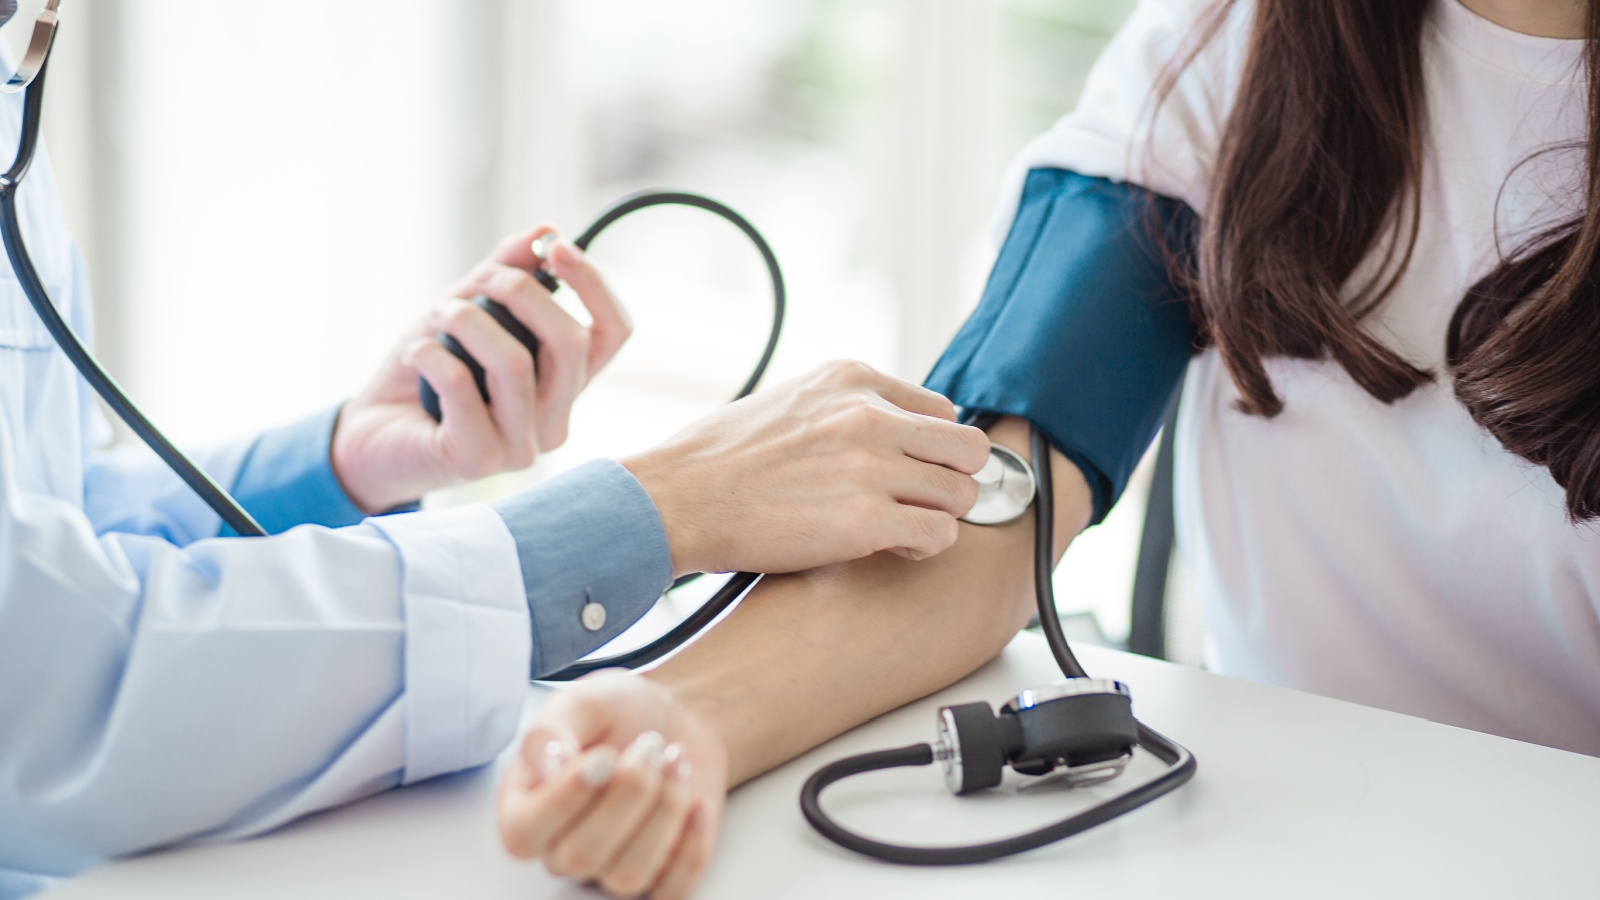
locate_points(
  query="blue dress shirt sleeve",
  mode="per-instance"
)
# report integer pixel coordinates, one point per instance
(286, 478)
(591, 535)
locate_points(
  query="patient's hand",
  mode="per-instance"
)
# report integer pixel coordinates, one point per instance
(616, 783)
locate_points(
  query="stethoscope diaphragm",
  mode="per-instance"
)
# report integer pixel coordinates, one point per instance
(1006, 488)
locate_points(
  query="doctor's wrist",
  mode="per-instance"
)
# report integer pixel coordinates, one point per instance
(658, 473)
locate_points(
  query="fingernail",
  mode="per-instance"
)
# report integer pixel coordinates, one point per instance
(676, 761)
(552, 758)
(647, 749)
(599, 766)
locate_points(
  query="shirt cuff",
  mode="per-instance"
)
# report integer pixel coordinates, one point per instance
(467, 637)
(591, 537)
(287, 478)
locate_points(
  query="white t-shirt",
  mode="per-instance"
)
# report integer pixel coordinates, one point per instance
(1395, 555)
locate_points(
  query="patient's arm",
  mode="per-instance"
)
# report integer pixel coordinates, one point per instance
(808, 656)
(803, 658)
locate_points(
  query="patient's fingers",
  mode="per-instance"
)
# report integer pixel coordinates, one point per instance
(593, 839)
(689, 858)
(531, 820)
(643, 859)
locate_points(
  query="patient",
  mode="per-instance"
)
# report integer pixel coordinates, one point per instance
(1380, 470)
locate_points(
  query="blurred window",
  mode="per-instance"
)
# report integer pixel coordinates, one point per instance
(271, 201)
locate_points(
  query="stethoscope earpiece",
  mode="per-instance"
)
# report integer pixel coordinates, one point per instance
(33, 59)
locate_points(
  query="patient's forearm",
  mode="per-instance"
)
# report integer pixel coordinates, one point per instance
(808, 656)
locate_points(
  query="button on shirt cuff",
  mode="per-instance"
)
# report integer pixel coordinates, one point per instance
(594, 559)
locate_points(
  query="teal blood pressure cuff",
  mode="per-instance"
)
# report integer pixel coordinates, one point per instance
(1082, 330)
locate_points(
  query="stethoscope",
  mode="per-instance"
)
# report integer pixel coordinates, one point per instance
(1080, 730)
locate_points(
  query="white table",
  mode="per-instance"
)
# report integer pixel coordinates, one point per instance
(1297, 796)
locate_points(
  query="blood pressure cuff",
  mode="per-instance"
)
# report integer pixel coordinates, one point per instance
(1082, 330)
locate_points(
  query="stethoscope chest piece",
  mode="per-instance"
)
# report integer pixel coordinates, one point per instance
(1081, 729)
(1006, 487)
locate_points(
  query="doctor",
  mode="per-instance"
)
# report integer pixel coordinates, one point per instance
(162, 683)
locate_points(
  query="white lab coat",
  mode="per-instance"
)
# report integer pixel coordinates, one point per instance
(157, 685)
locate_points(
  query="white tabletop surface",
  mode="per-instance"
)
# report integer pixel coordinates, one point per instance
(1296, 796)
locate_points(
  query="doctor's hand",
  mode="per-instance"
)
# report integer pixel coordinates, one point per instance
(387, 451)
(616, 784)
(833, 466)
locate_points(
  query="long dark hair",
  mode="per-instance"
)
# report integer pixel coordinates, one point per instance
(1320, 169)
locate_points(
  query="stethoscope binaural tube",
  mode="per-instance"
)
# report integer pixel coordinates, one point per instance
(30, 79)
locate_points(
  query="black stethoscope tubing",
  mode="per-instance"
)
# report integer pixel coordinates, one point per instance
(1180, 762)
(232, 513)
(28, 278)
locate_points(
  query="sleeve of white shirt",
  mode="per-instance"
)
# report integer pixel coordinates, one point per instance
(155, 692)
(1118, 131)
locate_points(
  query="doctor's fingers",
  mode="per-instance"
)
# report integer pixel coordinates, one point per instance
(848, 373)
(612, 326)
(932, 487)
(914, 532)
(465, 422)
(516, 249)
(509, 375)
(961, 448)
(563, 359)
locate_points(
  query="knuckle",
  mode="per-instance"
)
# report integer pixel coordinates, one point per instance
(847, 371)
(631, 785)
(569, 342)
(520, 367)
(939, 530)
(523, 457)
(871, 524)
(571, 860)
(860, 465)
(861, 419)
(582, 339)
(455, 378)
(625, 881)
(518, 844)
(557, 434)
(512, 280)
(977, 443)
(458, 314)
(965, 490)
(482, 465)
